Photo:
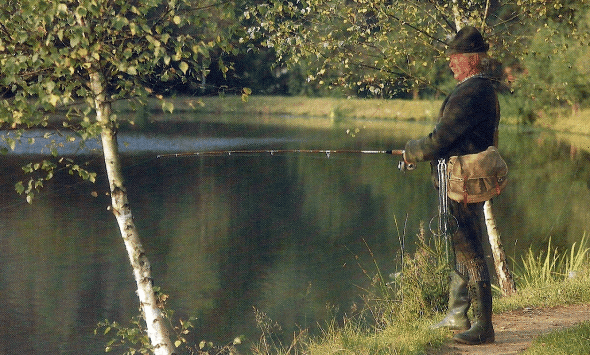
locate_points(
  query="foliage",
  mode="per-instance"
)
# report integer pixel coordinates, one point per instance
(133, 339)
(554, 66)
(421, 289)
(269, 341)
(386, 49)
(49, 50)
(361, 46)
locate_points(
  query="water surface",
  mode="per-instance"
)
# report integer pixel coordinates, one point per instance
(295, 236)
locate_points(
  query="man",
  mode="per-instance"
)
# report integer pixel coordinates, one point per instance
(468, 123)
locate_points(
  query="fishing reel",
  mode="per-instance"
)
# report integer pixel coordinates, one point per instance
(405, 166)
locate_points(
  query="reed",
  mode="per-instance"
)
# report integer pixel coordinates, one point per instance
(550, 266)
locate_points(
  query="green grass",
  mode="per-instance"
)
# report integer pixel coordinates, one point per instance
(396, 318)
(396, 332)
(403, 338)
(331, 108)
(572, 341)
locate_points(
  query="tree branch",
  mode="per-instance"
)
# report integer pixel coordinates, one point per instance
(415, 28)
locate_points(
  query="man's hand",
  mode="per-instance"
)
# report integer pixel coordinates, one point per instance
(404, 165)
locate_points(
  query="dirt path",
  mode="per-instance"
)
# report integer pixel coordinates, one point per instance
(516, 330)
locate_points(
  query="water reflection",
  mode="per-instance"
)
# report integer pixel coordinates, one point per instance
(289, 235)
(44, 142)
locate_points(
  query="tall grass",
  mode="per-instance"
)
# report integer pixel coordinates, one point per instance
(550, 266)
(397, 312)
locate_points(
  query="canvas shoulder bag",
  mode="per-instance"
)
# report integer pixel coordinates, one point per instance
(476, 177)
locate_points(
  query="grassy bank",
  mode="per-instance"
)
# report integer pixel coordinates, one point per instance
(401, 316)
(330, 108)
(324, 112)
(353, 109)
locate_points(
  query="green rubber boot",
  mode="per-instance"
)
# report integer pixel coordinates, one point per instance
(482, 330)
(456, 318)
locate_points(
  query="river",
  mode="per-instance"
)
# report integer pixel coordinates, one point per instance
(297, 237)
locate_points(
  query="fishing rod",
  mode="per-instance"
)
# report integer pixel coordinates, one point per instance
(327, 152)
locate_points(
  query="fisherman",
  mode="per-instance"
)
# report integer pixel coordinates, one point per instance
(468, 122)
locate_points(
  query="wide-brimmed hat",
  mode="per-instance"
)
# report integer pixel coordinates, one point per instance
(467, 40)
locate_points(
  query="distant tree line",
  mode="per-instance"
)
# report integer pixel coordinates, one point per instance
(387, 49)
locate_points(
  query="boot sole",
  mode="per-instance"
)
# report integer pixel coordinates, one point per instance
(450, 327)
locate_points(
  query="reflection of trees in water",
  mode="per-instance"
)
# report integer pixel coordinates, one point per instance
(60, 268)
(227, 234)
(548, 191)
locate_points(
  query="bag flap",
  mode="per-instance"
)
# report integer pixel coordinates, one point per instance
(485, 164)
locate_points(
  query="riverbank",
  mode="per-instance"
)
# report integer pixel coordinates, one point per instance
(326, 112)
(335, 109)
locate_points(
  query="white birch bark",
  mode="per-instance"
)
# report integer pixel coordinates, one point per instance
(457, 16)
(156, 328)
(501, 265)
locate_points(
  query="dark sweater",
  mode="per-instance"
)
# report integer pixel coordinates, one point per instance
(469, 118)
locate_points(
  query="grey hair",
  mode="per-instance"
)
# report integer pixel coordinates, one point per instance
(491, 67)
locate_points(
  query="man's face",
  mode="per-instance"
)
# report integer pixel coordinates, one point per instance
(463, 65)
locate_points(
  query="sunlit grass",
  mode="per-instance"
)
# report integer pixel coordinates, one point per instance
(332, 108)
(402, 338)
(550, 266)
(557, 285)
(572, 341)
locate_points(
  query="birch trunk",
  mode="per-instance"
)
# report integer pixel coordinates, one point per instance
(504, 276)
(156, 328)
(457, 16)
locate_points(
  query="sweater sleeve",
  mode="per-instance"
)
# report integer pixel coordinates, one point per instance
(460, 113)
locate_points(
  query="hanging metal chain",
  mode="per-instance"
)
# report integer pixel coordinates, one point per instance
(443, 206)
(444, 226)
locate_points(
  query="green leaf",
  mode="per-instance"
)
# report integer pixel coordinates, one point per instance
(167, 106)
(183, 66)
(132, 71)
(19, 187)
(62, 8)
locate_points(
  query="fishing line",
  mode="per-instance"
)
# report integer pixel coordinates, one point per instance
(327, 152)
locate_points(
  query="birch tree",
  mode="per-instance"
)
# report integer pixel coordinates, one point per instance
(380, 47)
(80, 56)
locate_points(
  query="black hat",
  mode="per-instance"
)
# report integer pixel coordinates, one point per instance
(467, 40)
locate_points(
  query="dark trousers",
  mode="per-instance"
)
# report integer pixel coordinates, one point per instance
(467, 240)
